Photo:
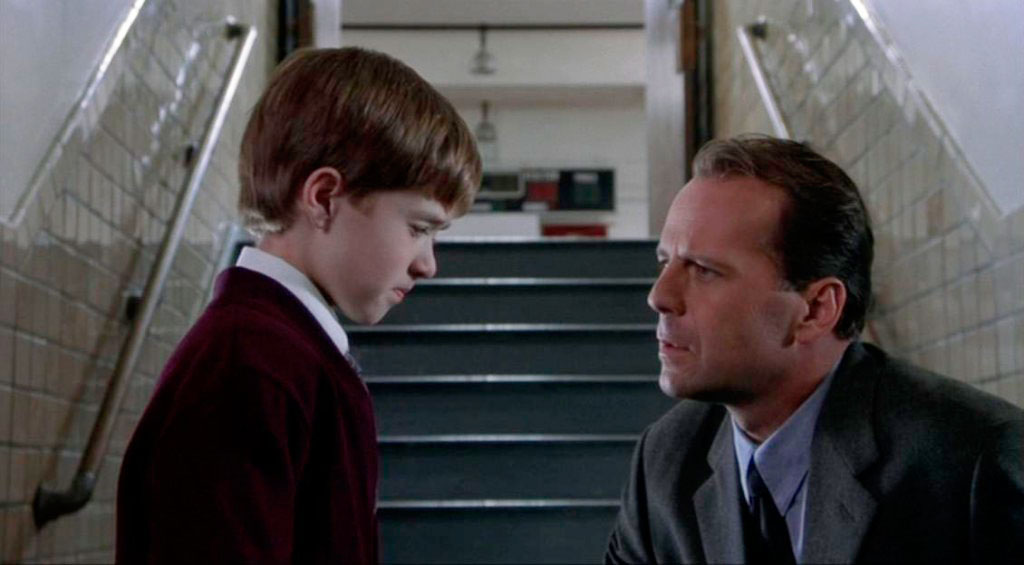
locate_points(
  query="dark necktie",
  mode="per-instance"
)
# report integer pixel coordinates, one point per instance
(773, 545)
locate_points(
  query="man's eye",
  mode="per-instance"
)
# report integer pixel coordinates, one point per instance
(419, 231)
(703, 272)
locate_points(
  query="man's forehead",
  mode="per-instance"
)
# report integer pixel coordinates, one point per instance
(722, 215)
(744, 200)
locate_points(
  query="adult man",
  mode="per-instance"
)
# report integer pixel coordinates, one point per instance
(794, 441)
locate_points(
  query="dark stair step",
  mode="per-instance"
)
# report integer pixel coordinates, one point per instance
(546, 258)
(495, 531)
(506, 348)
(525, 300)
(509, 404)
(504, 466)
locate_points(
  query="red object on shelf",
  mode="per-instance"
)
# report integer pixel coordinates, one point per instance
(586, 230)
(543, 191)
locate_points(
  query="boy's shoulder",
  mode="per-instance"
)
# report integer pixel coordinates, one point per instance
(256, 327)
(251, 312)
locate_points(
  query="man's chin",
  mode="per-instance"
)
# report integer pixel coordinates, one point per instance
(692, 386)
(675, 385)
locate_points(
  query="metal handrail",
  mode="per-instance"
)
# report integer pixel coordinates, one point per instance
(49, 505)
(746, 35)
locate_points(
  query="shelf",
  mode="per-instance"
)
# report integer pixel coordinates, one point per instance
(544, 95)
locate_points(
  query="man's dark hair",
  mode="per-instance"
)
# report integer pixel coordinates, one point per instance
(825, 229)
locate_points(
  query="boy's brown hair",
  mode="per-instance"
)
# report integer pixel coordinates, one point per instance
(364, 113)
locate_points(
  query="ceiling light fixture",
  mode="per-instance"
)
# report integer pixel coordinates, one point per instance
(486, 135)
(483, 61)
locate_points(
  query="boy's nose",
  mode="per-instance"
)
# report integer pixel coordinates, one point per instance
(425, 264)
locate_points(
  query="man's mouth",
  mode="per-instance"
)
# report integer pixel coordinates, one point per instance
(664, 340)
(666, 344)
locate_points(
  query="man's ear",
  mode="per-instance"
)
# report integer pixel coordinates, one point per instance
(825, 299)
(317, 198)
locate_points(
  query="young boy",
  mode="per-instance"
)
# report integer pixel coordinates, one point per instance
(259, 442)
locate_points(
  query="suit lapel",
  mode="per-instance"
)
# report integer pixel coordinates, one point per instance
(839, 508)
(717, 502)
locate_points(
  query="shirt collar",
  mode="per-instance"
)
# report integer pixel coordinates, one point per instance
(299, 285)
(785, 457)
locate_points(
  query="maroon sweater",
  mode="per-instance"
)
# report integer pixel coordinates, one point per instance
(258, 446)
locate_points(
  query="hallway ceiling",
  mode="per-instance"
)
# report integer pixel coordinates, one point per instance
(491, 12)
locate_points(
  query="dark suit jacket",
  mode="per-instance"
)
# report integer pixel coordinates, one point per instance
(258, 446)
(906, 466)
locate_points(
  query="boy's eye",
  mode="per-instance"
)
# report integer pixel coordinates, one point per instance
(419, 231)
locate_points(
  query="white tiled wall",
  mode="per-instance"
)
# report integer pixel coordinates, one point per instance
(42, 74)
(949, 270)
(88, 239)
(954, 52)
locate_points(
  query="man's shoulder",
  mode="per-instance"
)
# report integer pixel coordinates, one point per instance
(686, 420)
(912, 399)
(682, 434)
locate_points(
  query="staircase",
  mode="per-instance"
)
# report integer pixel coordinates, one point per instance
(509, 395)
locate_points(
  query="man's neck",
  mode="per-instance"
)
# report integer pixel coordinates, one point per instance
(762, 415)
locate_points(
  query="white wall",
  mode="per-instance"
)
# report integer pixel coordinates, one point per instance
(48, 51)
(665, 108)
(326, 23)
(492, 11)
(612, 57)
(603, 136)
(968, 59)
(560, 99)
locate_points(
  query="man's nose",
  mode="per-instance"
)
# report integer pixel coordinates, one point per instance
(665, 297)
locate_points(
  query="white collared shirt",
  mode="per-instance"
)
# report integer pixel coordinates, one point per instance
(298, 284)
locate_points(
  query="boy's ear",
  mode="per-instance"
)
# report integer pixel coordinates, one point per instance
(317, 199)
(825, 299)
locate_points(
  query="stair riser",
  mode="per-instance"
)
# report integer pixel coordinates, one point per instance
(518, 470)
(507, 353)
(518, 305)
(599, 408)
(604, 259)
(620, 259)
(495, 536)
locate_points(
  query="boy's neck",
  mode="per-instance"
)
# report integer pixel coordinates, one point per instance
(284, 246)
